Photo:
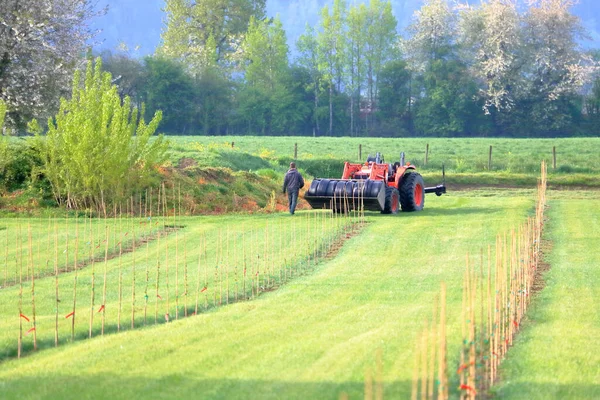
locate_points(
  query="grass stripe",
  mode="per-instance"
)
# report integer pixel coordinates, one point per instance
(557, 355)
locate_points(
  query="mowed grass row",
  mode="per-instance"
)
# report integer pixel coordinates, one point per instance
(460, 155)
(557, 355)
(313, 338)
(210, 260)
(62, 241)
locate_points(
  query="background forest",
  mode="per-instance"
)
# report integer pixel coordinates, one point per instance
(496, 68)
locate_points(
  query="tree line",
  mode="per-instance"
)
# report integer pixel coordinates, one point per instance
(498, 68)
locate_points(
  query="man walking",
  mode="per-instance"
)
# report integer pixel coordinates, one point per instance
(293, 182)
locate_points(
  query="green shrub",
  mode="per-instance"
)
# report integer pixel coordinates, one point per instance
(19, 162)
(98, 148)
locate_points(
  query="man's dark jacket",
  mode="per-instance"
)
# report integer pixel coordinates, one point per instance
(293, 181)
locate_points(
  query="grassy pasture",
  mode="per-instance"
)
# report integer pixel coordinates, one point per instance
(556, 356)
(512, 157)
(313, 338)
(212, 260)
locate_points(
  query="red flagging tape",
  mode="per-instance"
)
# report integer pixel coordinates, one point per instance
(70, 314)
(469, 388)
(463, 367)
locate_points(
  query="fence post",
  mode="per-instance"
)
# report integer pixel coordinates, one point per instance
(426, 154)
(490, 160)
(232, 144)
(360, 152)
(553, 157)
(295, 151)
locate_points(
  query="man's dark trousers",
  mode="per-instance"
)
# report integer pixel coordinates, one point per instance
(292, 200)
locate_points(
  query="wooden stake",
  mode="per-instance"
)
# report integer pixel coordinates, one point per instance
(185, 277)
(30, 263)
(104, 280)
(75, 270)
(133, 278)
(93, 287)
(56, 283)
(176, 274)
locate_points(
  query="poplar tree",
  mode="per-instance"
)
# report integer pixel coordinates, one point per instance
(308, 49)
(197, 30)
(98, 149)
(332, 47)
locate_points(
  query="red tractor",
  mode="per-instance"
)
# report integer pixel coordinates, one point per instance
(374, 185)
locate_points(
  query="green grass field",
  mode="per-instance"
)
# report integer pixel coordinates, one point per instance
(313, 338)
(319, 334)
(556, 356)
(209, 253)
(518, 156)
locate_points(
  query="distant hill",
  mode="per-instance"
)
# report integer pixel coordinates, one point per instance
(139, 22)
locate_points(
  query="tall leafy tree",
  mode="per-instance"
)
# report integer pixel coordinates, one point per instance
(170, 89)
(380, 41)
(331, 40)
(555, 66)
(128, 74)
(196, 30)
(432, 34)
(491, 40)
(98, 149)
(394, 96)
(308, 49)
(41, 43)
(358, 17)
(266, 68)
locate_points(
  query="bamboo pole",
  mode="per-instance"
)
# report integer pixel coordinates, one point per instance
(57, 299)
(442, 362)
(198, 276)
(20, 264)
(185, 277)
(103, 306)
(176, 274)
(75, 272)
(134, 233)
(157, 279)
(30, 262)
(93, 285)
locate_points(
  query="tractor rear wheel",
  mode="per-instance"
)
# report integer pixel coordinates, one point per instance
(412, 192)
(392, 201)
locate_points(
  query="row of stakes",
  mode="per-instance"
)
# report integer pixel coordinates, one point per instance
(246, 263)
(496, 295)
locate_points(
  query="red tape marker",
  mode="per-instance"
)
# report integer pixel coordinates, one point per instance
(70, 314)
(469, 388)
(204, 290)
(463, 367)
(101, 308)
(515, 324)
(24, 317)
(158, 295)
(29, 331)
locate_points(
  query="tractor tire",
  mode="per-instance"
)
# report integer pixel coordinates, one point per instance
(412, 192)
(392, 201)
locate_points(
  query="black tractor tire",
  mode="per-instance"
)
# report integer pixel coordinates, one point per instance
(412, 192)
(392, 201)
